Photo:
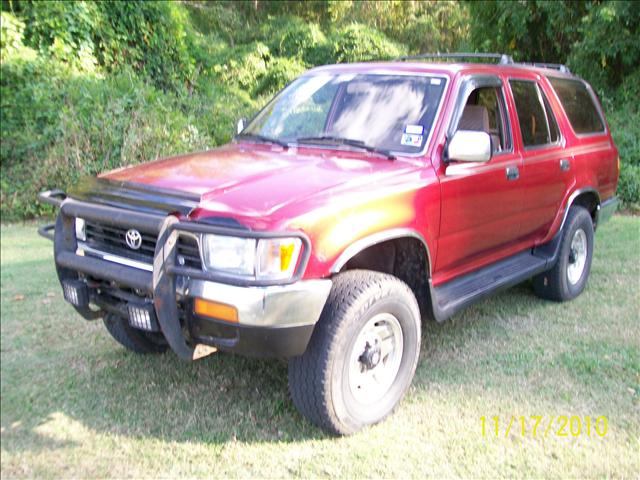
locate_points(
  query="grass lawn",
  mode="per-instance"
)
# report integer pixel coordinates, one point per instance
(76, 404)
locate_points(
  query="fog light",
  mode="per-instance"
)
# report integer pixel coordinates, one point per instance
(76, 293)
(219, 311)
(143, 317)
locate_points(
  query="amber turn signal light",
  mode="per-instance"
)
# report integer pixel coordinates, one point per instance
(219, 311)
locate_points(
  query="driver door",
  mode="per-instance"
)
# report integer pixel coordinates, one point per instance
(481, 202)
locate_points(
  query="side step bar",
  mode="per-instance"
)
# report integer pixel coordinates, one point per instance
(451, 297)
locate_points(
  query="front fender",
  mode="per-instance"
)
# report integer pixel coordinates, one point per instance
(343, 228)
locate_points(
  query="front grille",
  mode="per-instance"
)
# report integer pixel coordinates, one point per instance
(189, 252)
(111, 240)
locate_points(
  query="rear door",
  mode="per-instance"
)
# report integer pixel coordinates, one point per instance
(547, 171)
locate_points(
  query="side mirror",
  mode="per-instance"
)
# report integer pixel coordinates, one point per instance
(240, 125)
(470, 146)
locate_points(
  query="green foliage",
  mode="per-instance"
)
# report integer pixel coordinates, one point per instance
(539, 31)
(300, 40)
(89, 86)
(599, 40)
(608, 48)
(357, 43)
(426, 26)
(244, 65)
(218, 18)
(624, 121)
(12, 33)
(70, 23)
(154, 38)
(279, 72)
(629, 185)
(58, 126)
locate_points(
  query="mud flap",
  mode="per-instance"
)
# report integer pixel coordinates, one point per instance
(164, 295)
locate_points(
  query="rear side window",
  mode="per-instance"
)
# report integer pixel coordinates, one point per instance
(538, 125)
(579, 105)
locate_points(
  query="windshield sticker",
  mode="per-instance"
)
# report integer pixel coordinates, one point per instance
(436, 81)
(411, 140)
(414, 129)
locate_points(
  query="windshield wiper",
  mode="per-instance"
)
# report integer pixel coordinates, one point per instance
(351, 142)
(263, 138)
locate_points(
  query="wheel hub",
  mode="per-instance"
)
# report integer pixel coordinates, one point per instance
(375, 357)
(577, 257)
(371, 356)
(572, 256)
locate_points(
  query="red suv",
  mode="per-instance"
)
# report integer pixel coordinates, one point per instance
(360, 200)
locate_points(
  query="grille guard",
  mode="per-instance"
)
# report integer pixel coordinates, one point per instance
(161, 283)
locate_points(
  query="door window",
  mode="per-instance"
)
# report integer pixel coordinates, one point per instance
(538, 125)
(485, 112)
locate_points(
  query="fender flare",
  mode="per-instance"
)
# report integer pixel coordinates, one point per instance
(572, 198)
(374, 239)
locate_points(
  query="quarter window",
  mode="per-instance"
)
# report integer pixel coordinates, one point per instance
(538, 125)
(578, 104)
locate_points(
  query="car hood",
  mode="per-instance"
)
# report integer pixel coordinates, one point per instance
(256, 180)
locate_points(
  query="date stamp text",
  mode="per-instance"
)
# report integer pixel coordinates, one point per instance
(540, 426)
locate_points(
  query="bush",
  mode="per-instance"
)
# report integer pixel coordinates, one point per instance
(356, 43)
(629, 185)
(624, 120)
(279, 72)
(154, 38)
(89, 86)
(608, 48)
(58, 125)
(69, 23)
(11, 33)
(243, 66)
(300, 40)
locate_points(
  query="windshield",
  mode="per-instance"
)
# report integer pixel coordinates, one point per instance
(386, 112)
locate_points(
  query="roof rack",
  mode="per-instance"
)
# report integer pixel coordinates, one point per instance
(503, 59)
(555, 66)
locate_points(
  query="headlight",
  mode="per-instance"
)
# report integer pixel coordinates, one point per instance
(264, 259)
(81, 232)
(229, 254)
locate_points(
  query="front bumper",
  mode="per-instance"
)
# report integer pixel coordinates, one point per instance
(273, 320)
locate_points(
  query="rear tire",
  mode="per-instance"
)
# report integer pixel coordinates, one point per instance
(362, 356)
(131, 338)
(568, 277)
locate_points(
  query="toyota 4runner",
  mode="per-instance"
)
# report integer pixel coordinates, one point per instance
(362, 199)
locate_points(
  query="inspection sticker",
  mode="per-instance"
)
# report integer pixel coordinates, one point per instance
(411, 140)
(414, 129)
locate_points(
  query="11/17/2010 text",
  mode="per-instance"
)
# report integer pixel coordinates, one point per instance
(539, 426)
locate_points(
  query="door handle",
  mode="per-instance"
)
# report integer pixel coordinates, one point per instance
(565, 164)
(513, 173)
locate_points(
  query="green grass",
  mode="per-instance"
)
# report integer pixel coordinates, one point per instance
(75, 404)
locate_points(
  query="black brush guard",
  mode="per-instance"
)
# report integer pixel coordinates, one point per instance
(161, 283)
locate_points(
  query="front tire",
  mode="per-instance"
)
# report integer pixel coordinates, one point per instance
(568, 277)
(131, 338)
(362, 356)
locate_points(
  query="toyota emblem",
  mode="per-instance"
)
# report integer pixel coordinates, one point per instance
(133, 239)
